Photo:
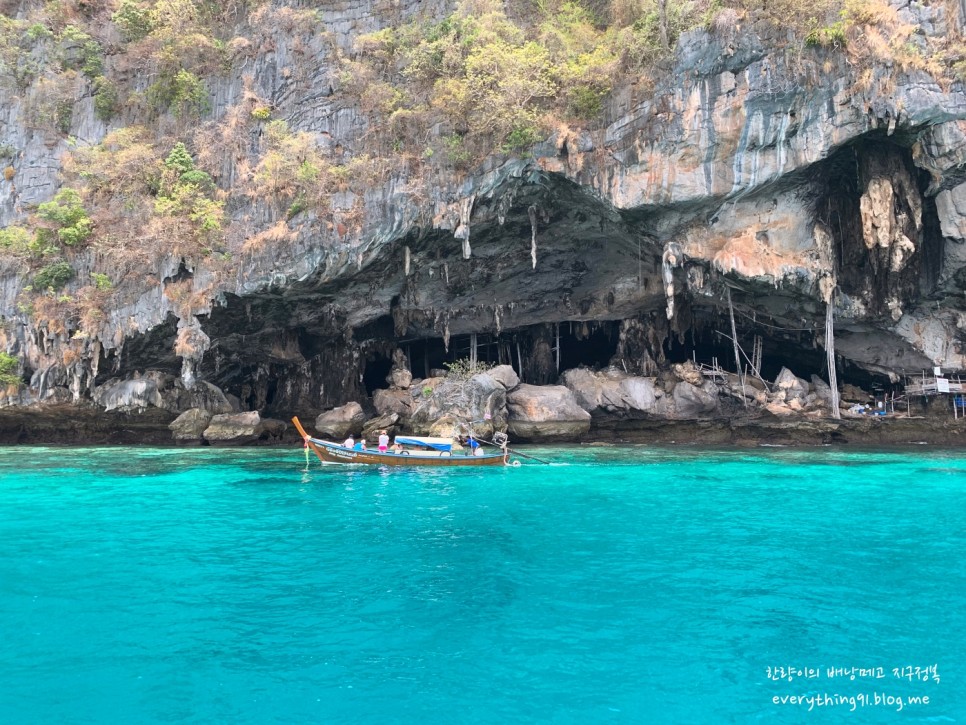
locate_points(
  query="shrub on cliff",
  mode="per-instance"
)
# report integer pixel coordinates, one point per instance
(9, 365)
(66, 212)
(54, 276)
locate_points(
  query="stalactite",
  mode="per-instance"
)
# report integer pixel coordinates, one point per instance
(671, 258)
(463, 229)
(95, 361)
(407, 258)
(446, 335)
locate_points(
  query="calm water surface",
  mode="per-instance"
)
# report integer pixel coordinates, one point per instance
(624, 586)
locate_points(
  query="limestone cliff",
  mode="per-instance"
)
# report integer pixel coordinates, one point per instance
(752, 166)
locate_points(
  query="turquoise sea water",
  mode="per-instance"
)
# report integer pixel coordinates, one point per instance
(616, 586)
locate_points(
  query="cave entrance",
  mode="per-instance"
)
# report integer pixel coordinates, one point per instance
(797, 350)
(377, 368)
(424, 355)
(591, 344)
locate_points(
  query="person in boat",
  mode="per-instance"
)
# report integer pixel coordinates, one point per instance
(349, 442)
(360, 446)
(383, 441)
(475, 448)
(397, 447)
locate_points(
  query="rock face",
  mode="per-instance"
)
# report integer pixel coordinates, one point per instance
(613, 390)
(190, 426)
(751, 186)
(690, 401)
(478, 404)
(339, 422)
(545, 413)
(243, 428)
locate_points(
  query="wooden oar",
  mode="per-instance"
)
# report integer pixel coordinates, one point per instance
(514, 451)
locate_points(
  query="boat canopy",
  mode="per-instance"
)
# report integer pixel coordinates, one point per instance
(437, 444)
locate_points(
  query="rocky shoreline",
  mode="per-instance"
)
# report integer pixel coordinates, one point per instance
(680, 405)
(96, 428)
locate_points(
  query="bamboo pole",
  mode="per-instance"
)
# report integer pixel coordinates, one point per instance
(833, 382)
(734, 339)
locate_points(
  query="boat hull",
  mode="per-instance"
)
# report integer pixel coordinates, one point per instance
(329, 452)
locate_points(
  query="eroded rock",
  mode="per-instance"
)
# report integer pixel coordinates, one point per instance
(545, 413)
(190, 425)
(339, 422)
(691, 401)
(243, 428)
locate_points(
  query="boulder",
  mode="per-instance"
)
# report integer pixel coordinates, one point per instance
(339, 422)
(400, 378)
(545, 413)
(822, 391)
(794, 387)
(691, 401)
(370, 431)
(190, 425)
(478, 404)
(505, 376)
(399, 402)
(240, 428)
(613, 390)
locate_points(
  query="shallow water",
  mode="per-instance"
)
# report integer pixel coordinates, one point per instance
(617, 585)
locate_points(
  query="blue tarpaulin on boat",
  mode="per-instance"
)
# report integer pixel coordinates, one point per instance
(437, 444)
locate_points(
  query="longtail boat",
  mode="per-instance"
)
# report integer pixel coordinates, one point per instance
(426, 452)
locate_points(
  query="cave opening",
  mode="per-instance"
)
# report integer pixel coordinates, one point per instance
(378, 365)
(873, 189)
(591, 344)
(425, 354)
(797, 350)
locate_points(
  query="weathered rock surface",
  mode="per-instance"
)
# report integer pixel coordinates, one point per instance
(339, 422)
(478, 404)
(387, 422)
(398, 401)
(545, 413)
(159, 390)
(794, 387)
(613, 390)
(243, 428)
(190, 425)
(691, 401)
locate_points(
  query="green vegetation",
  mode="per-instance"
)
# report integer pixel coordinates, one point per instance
(80, 51)
(291, 169)
(185, 191)
(133, 20)
(9, 365)
(463, 369)
(500, 83)
(19, 242)
(105, 98)
(66, 213)
(183, 93)
(832, 36)
(101, 281)
(54, 276)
